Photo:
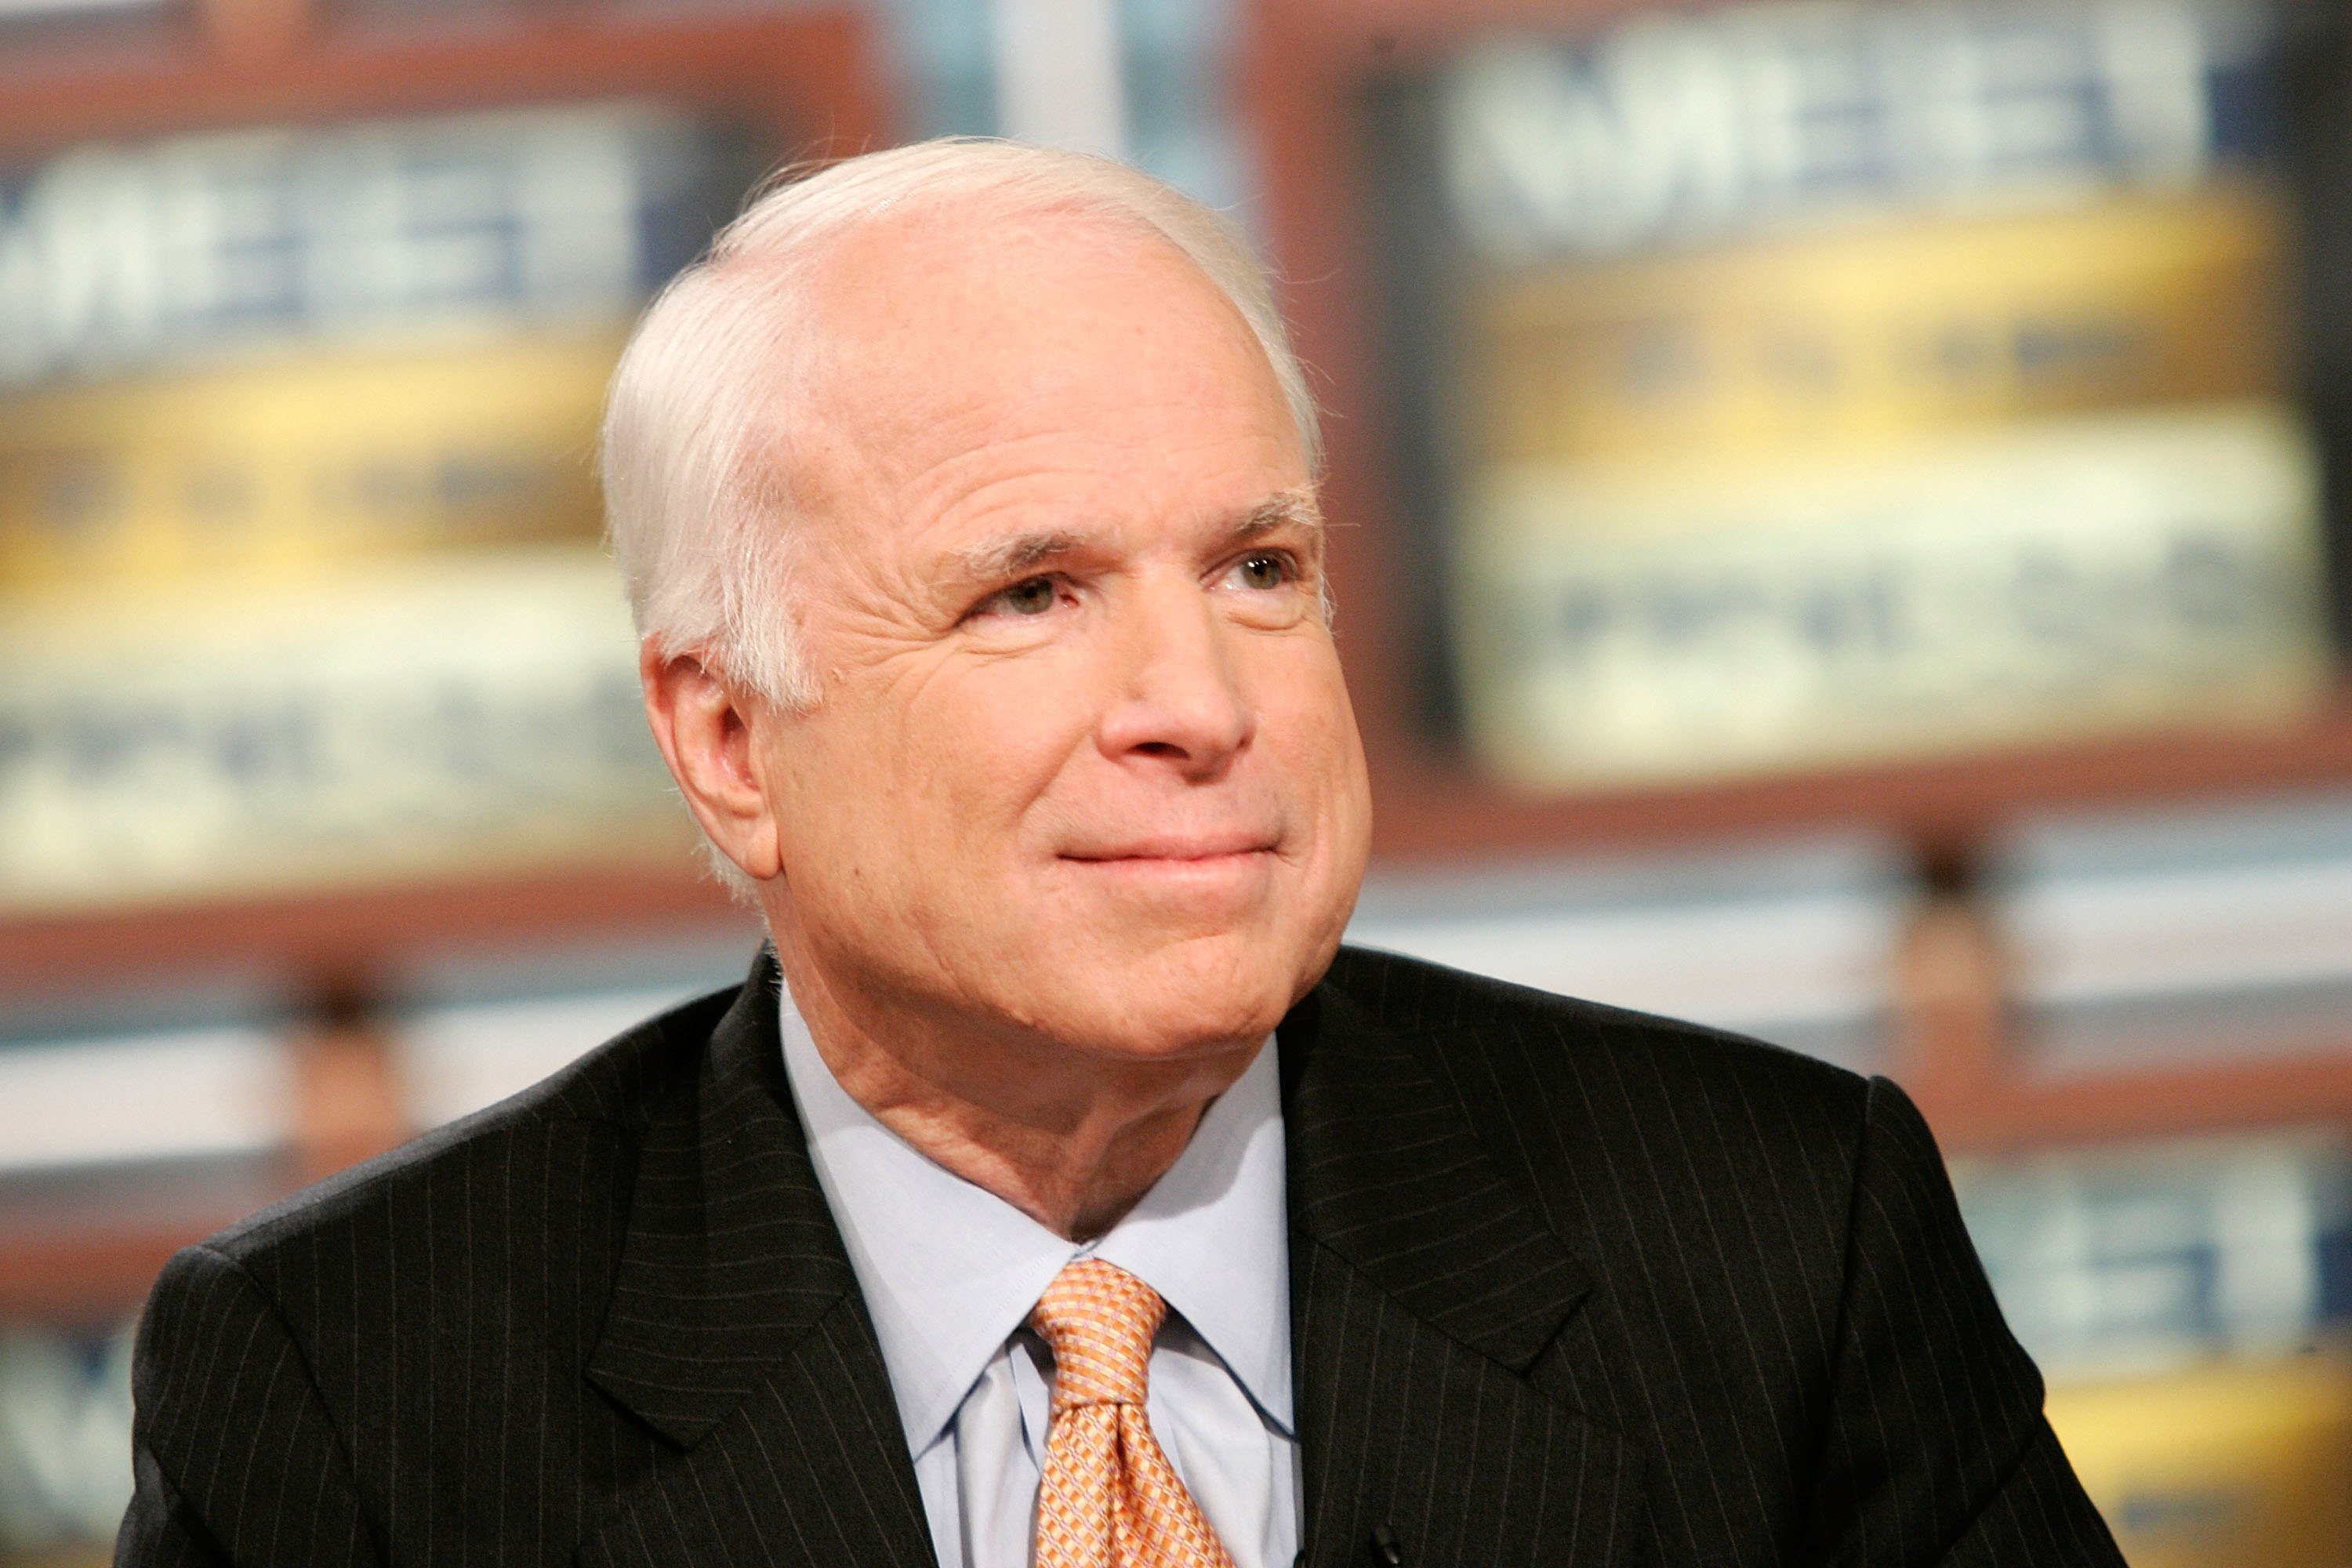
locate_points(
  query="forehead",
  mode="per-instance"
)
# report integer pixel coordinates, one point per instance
(957, 350)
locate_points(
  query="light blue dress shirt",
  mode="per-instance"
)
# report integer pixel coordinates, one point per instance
(950, 1272)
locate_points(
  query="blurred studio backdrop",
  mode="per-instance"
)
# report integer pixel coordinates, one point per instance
(1845, 516)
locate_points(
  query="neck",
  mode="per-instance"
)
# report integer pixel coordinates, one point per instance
(1071, 1138)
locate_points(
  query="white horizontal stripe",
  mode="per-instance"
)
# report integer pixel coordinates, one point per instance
(196, 1092)
(456, 1060)
(2173, 933)
(1733, 965)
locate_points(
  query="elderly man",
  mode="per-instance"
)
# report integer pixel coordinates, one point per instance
(1056, 1189)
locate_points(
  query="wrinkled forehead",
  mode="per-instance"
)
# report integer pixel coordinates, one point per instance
(1014, 301)
(929, 329)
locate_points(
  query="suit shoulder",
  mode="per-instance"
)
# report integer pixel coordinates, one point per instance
(599, 1101)
(1674, 1056)
(1631, 1134)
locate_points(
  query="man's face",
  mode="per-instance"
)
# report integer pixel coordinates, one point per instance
(1082, 768)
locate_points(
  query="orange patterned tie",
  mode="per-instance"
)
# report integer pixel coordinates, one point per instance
(1109, 1498)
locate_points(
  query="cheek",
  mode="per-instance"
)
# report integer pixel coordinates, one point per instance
(952, 757)
(1316, 731)
(1326, 778)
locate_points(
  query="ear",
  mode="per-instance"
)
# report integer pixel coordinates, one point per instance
(704, 728)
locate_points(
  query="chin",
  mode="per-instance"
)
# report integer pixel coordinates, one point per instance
(1196, 996)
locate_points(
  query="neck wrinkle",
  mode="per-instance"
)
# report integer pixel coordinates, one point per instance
(1077, 1182)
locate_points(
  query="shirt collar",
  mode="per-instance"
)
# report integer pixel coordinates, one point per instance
(948, 1271)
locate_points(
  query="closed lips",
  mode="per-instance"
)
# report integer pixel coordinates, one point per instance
(1177, 848)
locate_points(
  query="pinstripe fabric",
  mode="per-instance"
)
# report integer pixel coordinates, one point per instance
(1769, 1341)
(1568, 1286)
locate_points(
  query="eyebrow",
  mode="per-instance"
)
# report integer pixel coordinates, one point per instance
(1288, 508)
(1015, 554)
(1020, 553)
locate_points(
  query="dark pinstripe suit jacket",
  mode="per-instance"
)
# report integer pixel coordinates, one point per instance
(1570, 1286)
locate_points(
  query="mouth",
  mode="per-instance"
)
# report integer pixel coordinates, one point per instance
(1203, 880)
(1227, 869)
(1202, 851)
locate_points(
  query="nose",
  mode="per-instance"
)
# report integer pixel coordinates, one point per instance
(1179, 701)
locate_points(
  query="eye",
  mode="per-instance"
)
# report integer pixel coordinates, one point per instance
(1030, 596)
(1265, 569)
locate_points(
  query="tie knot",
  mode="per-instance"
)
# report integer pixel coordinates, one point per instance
(1100, 1321)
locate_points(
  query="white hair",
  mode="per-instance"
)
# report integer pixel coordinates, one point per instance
(697, 509)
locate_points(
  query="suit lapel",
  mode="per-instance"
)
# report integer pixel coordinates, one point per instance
(736, 1332)
(1422, 1289)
